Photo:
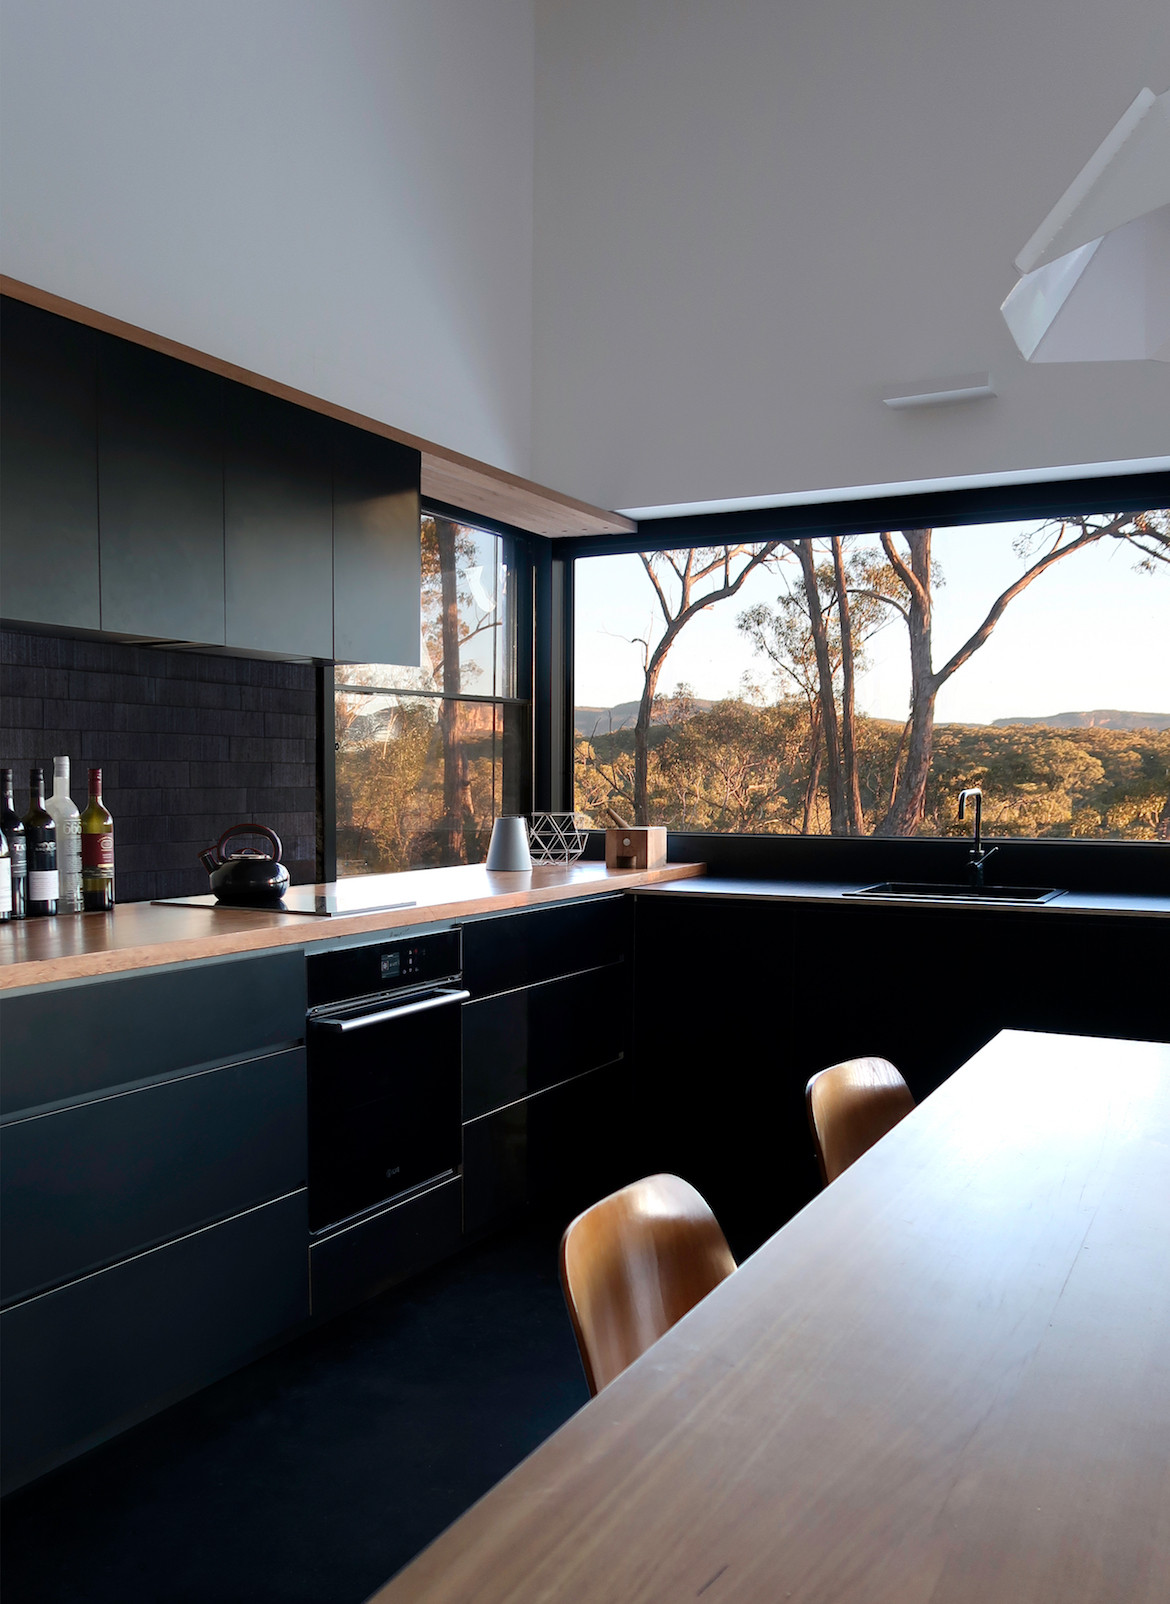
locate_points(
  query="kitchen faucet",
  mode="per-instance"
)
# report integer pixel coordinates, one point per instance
(977, 857)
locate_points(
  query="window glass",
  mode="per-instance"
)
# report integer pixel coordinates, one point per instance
(426, 757)
(854, 685)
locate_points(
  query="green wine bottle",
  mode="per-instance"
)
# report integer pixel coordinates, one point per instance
(97, 850)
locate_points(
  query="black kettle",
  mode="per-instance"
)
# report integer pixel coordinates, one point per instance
(246, 878)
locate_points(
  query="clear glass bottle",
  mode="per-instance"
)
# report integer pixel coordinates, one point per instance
(40, 840)
(14, 834)
(97, 850)
(67, 818)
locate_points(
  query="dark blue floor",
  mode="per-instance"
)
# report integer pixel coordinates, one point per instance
(313, 1475)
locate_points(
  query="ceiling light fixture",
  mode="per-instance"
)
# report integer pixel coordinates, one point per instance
(1096, 273)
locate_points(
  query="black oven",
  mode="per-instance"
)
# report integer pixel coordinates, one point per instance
(385, 1057)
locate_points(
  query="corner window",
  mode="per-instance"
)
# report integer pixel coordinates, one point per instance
(852, 685)
(427, 756)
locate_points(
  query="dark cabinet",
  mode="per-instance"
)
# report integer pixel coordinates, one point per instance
(90, 1358)
(144, 496)
(521, 949)
(278, 526)
(375, 1253)
(547, 1098)
(67, 1042)
(161, 496)
(86, 1186)
(559, 1150)
(48, 471)
(377, 561)
(527, 1040)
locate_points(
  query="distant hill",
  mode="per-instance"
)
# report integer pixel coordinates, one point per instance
(590, 721)
(1102, 718)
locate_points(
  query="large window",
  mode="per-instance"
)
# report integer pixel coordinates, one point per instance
(852, 685)
(427, 756)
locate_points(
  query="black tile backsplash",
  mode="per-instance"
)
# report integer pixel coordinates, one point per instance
(188, 743)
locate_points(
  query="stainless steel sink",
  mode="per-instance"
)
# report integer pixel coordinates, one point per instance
(911, 891)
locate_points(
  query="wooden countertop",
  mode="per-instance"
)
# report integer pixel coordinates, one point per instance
(138, 935)
(943, 1382)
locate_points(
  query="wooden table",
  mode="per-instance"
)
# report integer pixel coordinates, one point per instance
(947, 1379)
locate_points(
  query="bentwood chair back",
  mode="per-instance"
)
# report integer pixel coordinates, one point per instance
(635, 1263)
(850, 1107)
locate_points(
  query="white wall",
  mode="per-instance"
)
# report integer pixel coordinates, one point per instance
(337, 193)
(754, 216)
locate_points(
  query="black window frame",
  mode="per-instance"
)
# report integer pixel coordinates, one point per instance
(528, 557)
(1122, 866)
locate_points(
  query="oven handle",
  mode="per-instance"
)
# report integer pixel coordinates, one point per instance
(384, 1014)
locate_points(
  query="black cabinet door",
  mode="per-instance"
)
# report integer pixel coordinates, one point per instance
(161, 496)
(523, 1041)
(383, 1249)
(84, 1361)
(86, 1186)
(48, 472)
(721, 1072)
(560, 1150)
(377, 562)
(65, 1042)
(278, 527)
(539, 944)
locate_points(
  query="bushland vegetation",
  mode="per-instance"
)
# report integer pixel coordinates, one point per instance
(796, 754)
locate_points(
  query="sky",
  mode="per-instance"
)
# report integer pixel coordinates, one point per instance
(1088, 633)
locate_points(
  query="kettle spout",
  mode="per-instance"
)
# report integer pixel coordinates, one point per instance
(209, 859)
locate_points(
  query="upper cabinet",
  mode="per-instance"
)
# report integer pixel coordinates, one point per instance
(146, 497)
(278, 527)
(160, 466)
(377, 562)
(48, 472)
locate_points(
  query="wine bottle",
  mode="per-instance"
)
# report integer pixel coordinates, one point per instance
(5, 881)
(68, 821)
(14, 834)
(40, 840)
(97, 850)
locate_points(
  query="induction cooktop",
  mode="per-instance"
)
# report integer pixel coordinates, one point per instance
(345, 898)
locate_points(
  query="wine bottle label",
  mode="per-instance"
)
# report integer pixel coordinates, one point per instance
(43, 885)
(5, 886)
(69, 863)
(97, 851)
(16, 847)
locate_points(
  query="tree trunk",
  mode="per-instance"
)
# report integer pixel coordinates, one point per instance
(908, 805)
(456, 786)
(814, 767)
(850, 786)
(838, 817)
(642, 732)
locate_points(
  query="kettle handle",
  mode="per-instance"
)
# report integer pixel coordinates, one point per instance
(245, 829)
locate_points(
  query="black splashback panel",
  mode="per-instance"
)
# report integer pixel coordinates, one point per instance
(187, 742)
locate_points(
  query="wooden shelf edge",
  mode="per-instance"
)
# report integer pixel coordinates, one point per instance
(447, 476)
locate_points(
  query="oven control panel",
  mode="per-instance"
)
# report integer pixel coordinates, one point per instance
(380, 966)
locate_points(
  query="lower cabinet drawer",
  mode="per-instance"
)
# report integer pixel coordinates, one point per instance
(87, 1186)
(524, 1041)
(89, 1358)
(562, 1149)
(519, 949)
(373, 1254)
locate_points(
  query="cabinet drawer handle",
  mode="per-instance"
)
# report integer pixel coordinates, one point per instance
(385, 1014)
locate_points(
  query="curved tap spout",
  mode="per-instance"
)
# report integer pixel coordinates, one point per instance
(973, 791)
(977, 857)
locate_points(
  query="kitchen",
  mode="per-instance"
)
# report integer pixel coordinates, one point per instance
(204, 672)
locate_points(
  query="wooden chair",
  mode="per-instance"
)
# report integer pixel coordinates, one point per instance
(850, 1107)
(635, 1263)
